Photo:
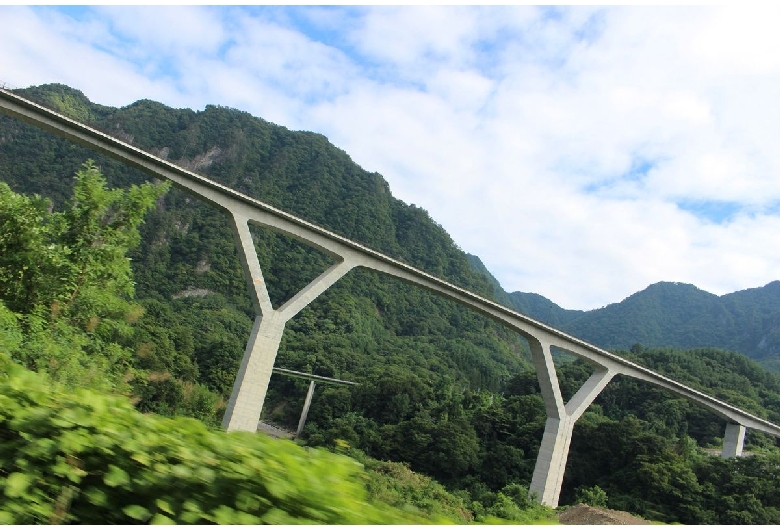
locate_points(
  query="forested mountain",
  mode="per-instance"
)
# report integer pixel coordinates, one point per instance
(187, 247)
(441, 388)
(668, 314)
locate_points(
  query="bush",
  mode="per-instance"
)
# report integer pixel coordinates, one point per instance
(592, 496)
(88, 458)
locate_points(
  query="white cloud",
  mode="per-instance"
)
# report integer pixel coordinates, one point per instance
(462, 89)
(289, 62)
(737, 41)
(403, 37)
(41, 46)
(561, 145)
(164, 30)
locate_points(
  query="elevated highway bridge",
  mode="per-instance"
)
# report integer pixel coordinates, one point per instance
(246, 401)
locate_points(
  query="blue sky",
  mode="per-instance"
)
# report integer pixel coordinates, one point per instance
(583, 153)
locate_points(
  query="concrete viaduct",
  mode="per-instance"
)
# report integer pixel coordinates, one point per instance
(246, 401)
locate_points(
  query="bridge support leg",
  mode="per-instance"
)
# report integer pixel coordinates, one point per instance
(305, 411)
(551, 462)
(733, 440)
(249, 390)
(246, 401)
(554, 451)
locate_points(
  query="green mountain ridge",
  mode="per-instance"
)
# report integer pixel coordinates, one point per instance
(672, 314)
(288, 170)
(443, 389)
(665, 314)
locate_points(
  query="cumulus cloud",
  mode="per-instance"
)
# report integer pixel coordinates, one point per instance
(392, 35)
(44, 46)
(582, 153)
(164, 30)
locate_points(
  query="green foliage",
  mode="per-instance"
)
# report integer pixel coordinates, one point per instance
(395, 484)
(29, 261)
(72, 264)
(88, 458)
(67, 277)
(592, 496)
(10, 332)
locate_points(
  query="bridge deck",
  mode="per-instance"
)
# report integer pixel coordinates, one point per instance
(355, 254)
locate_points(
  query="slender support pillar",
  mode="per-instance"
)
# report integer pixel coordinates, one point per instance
(249, 390)
(246, 401)
(733, 440)
(554, 451)
(305, 411)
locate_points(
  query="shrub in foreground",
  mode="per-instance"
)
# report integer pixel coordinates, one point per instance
(88, 458)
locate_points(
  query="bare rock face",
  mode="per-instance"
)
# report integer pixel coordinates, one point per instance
(201, 161)
(583, 514)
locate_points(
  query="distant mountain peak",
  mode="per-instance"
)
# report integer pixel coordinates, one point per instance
(667, 314)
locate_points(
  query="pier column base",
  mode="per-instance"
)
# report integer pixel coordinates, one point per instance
(733, 440)
(551, 462)
(246, 401)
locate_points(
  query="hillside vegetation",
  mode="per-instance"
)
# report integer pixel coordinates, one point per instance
(87, 458)
(442, 389)
(72, 453)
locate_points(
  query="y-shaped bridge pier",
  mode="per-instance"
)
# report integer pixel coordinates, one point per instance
(246, 401)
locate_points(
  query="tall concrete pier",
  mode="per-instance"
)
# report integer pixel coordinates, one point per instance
(554, 451)
(246, 401)
(733, 440)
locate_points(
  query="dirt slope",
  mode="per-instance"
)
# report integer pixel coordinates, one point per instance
(583, 514)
